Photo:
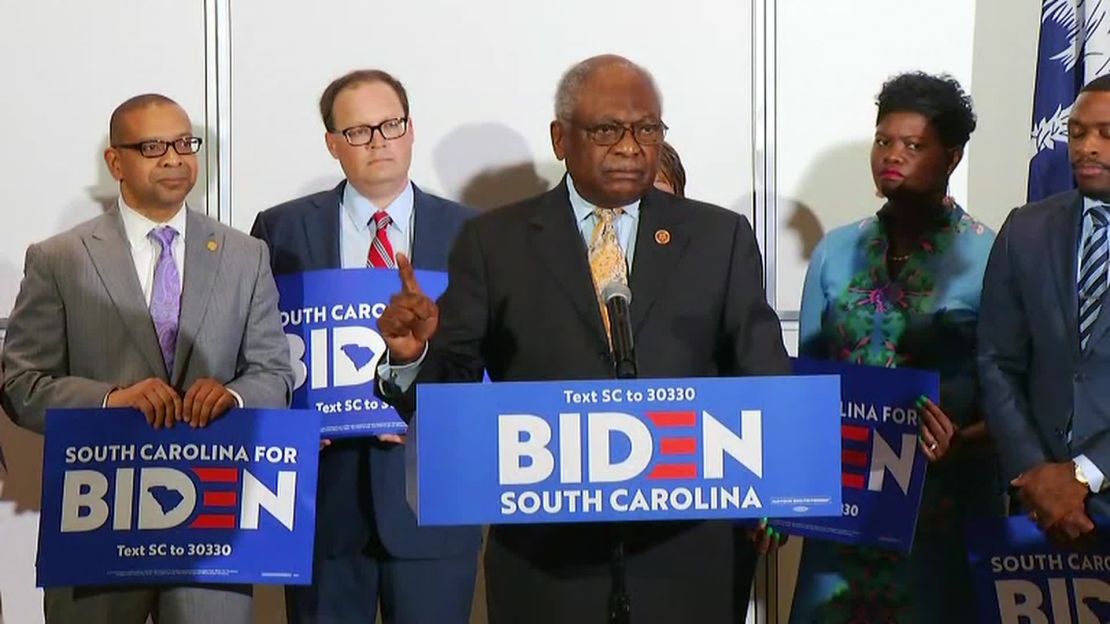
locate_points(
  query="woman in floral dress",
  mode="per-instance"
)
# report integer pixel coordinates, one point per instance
(901, 288)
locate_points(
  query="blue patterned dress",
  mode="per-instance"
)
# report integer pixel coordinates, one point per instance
(925, 318)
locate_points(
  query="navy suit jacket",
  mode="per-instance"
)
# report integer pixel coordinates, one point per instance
(362, 481)
(1036, 381)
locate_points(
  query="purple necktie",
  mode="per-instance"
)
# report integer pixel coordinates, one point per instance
(165, 295)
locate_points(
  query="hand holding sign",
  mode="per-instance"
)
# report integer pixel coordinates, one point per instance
(205, 401)
(410, 319)
(938, 433)
(158, 402)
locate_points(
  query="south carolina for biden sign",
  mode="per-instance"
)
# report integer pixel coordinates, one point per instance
(230, 503)
(330, 319)
(1020, 578)
(577, 451)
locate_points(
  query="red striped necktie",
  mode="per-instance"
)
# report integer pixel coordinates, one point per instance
(381, 252)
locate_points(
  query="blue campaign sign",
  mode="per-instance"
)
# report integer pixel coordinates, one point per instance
(883, 469)
(123, 503)
(1020, 577)
(330, 318)
(659, 449)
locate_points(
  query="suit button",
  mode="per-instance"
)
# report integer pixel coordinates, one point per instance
(1060, 433)
(1080, 378)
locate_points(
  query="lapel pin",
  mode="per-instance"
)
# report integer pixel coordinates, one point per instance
(212, 245)
(663, 237)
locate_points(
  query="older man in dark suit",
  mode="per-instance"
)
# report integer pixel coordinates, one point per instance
(523, 304)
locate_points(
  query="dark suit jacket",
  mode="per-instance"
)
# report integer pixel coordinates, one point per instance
(521, 305)
(362, 481)
(1035, 378)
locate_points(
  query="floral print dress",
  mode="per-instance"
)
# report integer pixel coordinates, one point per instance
(925, 317)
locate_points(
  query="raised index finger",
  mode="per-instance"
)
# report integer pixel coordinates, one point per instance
(409, 284)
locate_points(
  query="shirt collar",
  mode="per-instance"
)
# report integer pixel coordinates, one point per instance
(360, 210)
(583, 209)
(137, 226)
(1089, 203)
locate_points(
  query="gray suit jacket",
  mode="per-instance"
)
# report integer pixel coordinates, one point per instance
(1037, 383)
(81, 327)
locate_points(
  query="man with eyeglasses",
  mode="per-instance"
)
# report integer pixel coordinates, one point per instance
(523, 304)
(126, 310)
(368, 547)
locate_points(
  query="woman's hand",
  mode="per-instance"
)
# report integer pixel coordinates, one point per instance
(765, 538)
(938, 433)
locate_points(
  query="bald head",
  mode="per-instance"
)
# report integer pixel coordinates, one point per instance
(604, 68)
(117, 123)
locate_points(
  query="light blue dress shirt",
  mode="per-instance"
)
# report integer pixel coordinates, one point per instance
(356, 231)
(1090, 470)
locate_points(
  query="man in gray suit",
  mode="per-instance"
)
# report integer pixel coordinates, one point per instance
(151, 306)
(1043, 336)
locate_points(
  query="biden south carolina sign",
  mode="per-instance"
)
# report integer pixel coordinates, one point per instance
(231, 503)
(330, 319)
(589, 451)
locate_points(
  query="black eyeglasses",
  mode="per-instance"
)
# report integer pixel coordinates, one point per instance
(390, 129)
(156, 148)
(644, 133)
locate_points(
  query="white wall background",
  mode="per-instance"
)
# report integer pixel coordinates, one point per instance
(828, 79)
(481, 76)
(65, 66)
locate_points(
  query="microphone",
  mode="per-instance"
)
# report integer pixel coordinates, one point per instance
(618, 303)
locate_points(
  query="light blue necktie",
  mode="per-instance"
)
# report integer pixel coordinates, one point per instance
(1092, 274)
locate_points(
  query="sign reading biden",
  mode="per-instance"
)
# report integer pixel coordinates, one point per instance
(1020, 578)
(588, 451)
(883, 471)
(230, 503)
(330, 318)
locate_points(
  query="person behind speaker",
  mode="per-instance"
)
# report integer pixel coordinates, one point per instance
(1044, 350)
(369, 551)
(671, 176)
(524, 304)
(901, 288)
(152, 306)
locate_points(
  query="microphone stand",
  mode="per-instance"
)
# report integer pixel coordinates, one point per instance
(620, 605)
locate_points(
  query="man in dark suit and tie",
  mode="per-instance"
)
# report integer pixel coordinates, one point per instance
(368, 547)
(523, 304)
(1044, 344)
(152, 306)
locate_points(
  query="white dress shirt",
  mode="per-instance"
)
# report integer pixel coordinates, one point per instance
(145, 251)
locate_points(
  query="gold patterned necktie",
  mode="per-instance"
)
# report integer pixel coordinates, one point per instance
(607, 262)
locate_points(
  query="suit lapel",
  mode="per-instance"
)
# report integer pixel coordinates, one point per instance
(429, 244)
(203, 249)
(1064, 225)
(321, 229)
(660, 242)
(559, 242)
(111, 255)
